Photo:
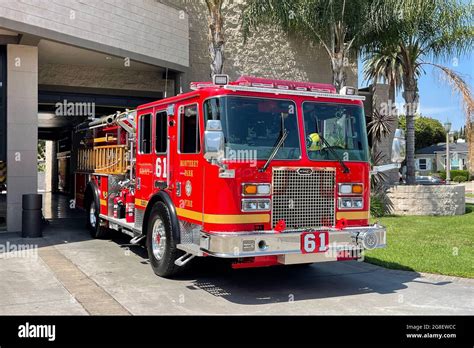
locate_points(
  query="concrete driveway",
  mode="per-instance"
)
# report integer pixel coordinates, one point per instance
(70, 273)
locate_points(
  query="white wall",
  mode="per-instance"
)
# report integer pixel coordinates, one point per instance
(128, 28)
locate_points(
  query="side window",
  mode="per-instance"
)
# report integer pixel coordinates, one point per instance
(144, 145)
(161, 134)
(189, 129)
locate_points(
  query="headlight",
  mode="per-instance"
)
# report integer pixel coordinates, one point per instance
(357, 203)
(255, 189)
(345, 203)
(255, 205)
(351, 203)
(351, 189)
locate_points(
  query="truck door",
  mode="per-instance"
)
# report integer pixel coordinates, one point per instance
(187, 163)
(161, 149)
(144, 158)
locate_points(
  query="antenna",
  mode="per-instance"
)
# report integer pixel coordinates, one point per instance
(166, 83)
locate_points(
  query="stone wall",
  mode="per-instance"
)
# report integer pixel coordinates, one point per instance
(267, 53)
(427, 200)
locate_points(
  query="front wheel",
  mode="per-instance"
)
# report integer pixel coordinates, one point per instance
(160, 243)
(93, 221)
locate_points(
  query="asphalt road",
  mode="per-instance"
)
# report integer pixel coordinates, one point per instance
(70, 273)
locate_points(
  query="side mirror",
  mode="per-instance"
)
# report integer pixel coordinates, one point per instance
(214, 141)
(399, 147)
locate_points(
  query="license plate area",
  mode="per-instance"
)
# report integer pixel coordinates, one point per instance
(314, 242)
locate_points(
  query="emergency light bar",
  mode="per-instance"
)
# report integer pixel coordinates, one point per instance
(262, 85)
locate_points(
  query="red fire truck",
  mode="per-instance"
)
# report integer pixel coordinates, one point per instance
(264, 172)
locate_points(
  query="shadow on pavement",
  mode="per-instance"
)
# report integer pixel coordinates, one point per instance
(250, 286)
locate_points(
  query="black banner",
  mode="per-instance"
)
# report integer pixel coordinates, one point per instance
(223, 331)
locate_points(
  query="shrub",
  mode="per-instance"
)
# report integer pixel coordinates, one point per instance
(455, 173)
(459, 178)
(377, 206)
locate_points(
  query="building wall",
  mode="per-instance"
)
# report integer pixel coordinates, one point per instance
(147, 30)
(101, 77)
(440, 160)
(430, 164)
(267, 52)
(22, 128)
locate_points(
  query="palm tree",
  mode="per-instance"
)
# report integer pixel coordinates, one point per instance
(216, 35)
(410, 34)
(336, 25)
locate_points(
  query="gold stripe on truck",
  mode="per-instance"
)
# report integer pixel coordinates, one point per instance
(352, 215)
(224, 219)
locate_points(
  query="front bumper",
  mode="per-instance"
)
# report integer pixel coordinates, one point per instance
(287, 245)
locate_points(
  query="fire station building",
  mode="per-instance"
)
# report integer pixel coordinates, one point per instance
(63, 62)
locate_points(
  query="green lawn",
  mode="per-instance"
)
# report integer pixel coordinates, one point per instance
(470, 195)
(431, 244)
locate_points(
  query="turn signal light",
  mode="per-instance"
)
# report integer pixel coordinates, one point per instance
(357, 189)
(351, 189)
(256, 189)
(250, 189)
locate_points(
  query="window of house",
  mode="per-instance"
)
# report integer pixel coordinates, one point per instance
(144, 144)
(189, 129)
(422, 164)
(161, 132)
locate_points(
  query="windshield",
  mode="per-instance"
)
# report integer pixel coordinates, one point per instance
(255, 125)
(341, 126)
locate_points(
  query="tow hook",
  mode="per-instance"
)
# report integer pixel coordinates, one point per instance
(184, 259)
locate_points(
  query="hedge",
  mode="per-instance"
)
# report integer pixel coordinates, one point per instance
(455, 173)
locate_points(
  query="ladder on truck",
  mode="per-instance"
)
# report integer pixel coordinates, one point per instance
(107, 155)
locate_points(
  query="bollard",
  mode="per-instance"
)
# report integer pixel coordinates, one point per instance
(32, 215)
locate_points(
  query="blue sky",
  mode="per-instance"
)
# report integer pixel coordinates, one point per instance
(436, 98)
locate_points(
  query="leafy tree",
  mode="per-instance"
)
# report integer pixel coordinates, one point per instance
(409, 34)
(336, 25)
(428, 131)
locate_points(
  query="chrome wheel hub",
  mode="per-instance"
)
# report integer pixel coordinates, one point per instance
(92, 217)
(158, 239)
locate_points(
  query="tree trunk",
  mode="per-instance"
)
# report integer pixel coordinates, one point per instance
(338, 73)
(469, 131)
(216, 37)
(410, 95)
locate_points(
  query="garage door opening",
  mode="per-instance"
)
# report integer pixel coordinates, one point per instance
(61, 113)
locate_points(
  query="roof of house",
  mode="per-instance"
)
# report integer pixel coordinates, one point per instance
(441, 147)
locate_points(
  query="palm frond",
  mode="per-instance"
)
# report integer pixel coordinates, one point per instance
(458, 86)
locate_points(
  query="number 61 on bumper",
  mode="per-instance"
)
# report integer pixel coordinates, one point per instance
(314, 242)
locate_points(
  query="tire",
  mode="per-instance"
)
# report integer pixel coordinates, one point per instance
(160, 243)
(93, 220)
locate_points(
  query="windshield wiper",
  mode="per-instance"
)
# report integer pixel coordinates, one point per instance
(345, 169)
(277, 147)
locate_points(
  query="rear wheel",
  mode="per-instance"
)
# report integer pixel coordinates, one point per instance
(160, 243)
(93, 221)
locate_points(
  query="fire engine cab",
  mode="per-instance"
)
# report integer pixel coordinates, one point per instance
(263, 172)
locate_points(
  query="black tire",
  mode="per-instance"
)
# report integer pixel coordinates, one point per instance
(96, 230)
(162, 266)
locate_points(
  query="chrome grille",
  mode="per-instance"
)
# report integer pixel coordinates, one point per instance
(303, 197)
